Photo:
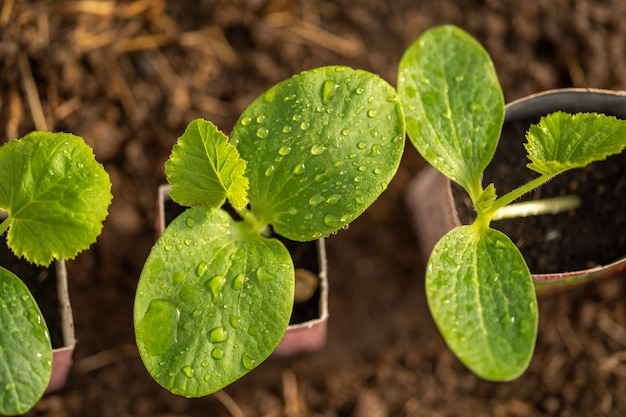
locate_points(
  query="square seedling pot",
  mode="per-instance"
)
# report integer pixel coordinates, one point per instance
(49, 287)
(435, 202)
(308, 325)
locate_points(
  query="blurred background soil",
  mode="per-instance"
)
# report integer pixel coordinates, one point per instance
(129, 75)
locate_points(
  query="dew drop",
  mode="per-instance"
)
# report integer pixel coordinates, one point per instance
(253, 330)
(262, 132)
(329, 89)
(189, 221)
(345, 131)
(372, 113)
(218, 335)
(270, 171)
(286, 129)
(361, 145)
(315, 200)
(188, 242)
(299, 169)
(178, 277)
(235, 321)
(269, 95)
(238, 282)
(188, 371)
(304, 125)
(331, 220)
(217, 353)
(321, 176)
(375, 150)
(247, 361)
(189, 293)
(263, 276)
(333, 199)
(284, 150)
(317, 149)
(201, 269)
(161, 314)
(215, 284)
(359, 90)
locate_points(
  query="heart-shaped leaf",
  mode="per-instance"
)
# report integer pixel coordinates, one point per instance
(482, 298)
(564, 141)
(453, 102)
(204, 169)
(213, 301)
(25, 350)
(320, 147)
(56, 194)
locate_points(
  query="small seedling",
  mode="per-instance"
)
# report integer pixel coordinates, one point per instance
(54, 196)
(305, 159)
(479, 288)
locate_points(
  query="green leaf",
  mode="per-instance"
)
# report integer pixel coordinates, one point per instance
(453, 102)
(25, 350)
(482, 298)
(320, 147)
(213, 301)
(204, 169)
(56, 194)
(562, 141)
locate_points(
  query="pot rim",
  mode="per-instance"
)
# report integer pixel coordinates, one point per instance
(565, 100)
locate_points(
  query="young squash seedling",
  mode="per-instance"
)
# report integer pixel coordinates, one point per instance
(479, 288)
(54, 196)
(305, 159)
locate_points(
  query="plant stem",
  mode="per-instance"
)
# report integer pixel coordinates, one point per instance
(517, 193)
(253, 220)
(537, 207)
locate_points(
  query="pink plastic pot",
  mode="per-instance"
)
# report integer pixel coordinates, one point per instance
(301, 337)
(430, 198)
(62, 356)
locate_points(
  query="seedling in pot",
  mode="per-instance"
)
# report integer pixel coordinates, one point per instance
(305, 159)
(479, 288)
(54, 197)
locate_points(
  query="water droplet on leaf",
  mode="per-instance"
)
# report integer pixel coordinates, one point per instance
(218, 335)
(329, 89)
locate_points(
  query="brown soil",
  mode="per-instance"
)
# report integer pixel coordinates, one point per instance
(129, 75)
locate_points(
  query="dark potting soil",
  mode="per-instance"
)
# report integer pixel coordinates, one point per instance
(592, 235)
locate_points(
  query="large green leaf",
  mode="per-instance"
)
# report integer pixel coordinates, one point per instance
(204, 169)
(320, 147)
(563, 141)
(482, 298)
(25, 350)
(213, 301)
(453, 103)
(56, 194)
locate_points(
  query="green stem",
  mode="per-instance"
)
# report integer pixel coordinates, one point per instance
(537, 207)
(517, 193)
(250, 218)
